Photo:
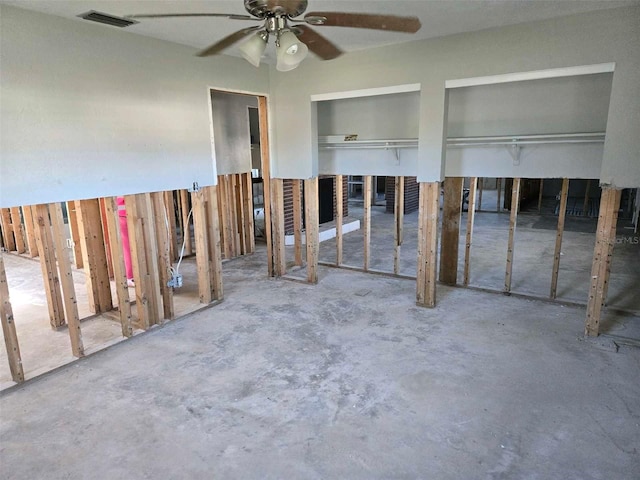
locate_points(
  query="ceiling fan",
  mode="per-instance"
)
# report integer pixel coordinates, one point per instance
(292, 41)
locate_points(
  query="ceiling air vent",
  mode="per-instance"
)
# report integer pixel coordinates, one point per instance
(107, 19)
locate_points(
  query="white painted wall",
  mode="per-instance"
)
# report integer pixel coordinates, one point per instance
(392, 116)
(575, 104)
(592, 38)
(364, 161)
(555, 161)
(375, 117)
(231, 133)
(90, 110)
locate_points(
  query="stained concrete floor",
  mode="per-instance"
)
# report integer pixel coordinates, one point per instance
(345, 379)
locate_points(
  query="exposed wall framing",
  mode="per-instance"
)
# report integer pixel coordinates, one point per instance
(94, 255)
(311, 221)
(602, 254)
(48, 265)
(427, 243)
(471, 214)
(398, 231)
(9, 328)
(66, 279)
(451, 212)
(562, 213)
(515, 204)
(340, 193)
(235, 214)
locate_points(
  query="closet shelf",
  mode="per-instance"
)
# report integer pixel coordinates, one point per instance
(461, 142)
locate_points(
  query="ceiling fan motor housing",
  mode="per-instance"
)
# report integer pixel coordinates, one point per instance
(264, 8)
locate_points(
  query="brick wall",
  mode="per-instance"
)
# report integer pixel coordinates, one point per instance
(288, 201)
(411, 194)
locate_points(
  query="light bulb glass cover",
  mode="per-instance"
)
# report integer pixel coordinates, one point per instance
(290, 52)
(252, 49)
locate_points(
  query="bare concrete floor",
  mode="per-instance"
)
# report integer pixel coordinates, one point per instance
(345, 379)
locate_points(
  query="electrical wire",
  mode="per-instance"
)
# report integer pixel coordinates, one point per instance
(185, 231)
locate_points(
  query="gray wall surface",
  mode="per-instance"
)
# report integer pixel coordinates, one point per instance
(89, 110)
(375, 117)
(576, 104)
(231, 133)
(586, 39)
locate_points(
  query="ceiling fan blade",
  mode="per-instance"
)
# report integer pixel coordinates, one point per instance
(231, 16)
(363, 20)
(226, 42)
(317, 43)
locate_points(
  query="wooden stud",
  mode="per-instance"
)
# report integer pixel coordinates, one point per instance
(233, 215)
(451, 213)
(241, 215)
(540, 195)
(170, 208)
(585, 205)
(186, 228)
(602, 255)
(612, 236)
(247, 198)
(213, 237)
(201, 244)
(48, 266)
(105, 236)
(429, 208)
(499, 192)
(9, 328)
(138, 260)
(144, 258)
(225, 227)
(265, 165)
(339, 217)
(75, 234)
(297, 221)
(231, 227)
(367, 198)
(398, 231)
(311, 220)
(164, 240)
(471, 213)
(559, 232)
(94, 255)
(221, 215)
(66, 279)
(29, 231)
(7, 229)
(146, 212)
(232, 193)
(277, 218)
(119, 271)
(17, 229)
(515, 204)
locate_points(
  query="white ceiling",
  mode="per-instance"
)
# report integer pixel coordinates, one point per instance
(438, 17)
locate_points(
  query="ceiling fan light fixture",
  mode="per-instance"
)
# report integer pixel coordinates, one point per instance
(290, 51)
(253, 49)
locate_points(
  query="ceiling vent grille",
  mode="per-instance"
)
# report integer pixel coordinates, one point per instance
(107, 19)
